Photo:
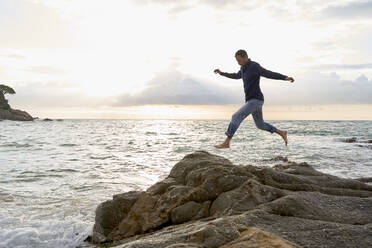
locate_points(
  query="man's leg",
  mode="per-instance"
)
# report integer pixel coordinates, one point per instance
(261, 124)
(236, 119)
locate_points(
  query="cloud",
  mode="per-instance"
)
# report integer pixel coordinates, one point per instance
(183, 5)
(51, 94)
(26, 24)
(173, 87)
(355, 9)
(311, 87)
(175, 6)
(45, 70)
(327, 42)
(235, 4)
(343, 66)
(314, 87)
(318, 11)
(12, 56)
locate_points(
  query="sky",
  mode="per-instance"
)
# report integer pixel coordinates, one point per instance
(146, 59)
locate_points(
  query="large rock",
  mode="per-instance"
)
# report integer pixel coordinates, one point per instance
(206, 201)
(110, 213)
(15, 115)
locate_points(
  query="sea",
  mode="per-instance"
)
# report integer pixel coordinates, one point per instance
(55, 173)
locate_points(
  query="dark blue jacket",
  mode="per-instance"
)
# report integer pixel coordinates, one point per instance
(251, 72)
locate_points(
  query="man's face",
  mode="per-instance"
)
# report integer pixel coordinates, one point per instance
(241, 60)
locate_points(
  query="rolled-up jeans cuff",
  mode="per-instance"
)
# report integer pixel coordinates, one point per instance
(273, 130)
(228, 135)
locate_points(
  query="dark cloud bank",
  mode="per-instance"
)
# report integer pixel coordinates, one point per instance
(173, 87)
(312, 87)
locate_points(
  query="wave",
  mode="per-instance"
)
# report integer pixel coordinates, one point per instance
(64, 170)
(151, 133)
(15, 144)
(68, 144)
(101, 157)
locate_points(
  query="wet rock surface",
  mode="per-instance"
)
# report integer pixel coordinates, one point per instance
(206, 201)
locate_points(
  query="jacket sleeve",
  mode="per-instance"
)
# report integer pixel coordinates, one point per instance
(270, 74)
(237, 75)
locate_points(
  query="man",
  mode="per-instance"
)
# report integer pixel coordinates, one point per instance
(251, 71)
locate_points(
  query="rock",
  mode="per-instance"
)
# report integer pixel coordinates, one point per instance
(350, 140)
(6, 111)
(15, 115)
(246, 197)
(47, 119)
(254, 237)
(110, 213)
(365, 179)
(366, 146)
(278, 158)
(206, 201)
(190, 211)
(3, 102)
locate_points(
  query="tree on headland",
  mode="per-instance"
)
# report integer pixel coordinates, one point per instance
(4, 89)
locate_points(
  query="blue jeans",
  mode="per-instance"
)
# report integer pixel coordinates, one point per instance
(253, 106)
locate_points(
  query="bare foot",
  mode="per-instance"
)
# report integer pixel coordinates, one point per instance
(284, 136)
(223, 145)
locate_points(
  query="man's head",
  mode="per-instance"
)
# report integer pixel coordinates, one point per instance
(241, 56)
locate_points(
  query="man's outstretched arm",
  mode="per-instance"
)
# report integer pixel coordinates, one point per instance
(270, 74)
(237, 75)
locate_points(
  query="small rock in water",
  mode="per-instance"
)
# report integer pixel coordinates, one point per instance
(279, 158)
(350, 140)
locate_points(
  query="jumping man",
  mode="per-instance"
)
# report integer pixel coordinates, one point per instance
(251, 71)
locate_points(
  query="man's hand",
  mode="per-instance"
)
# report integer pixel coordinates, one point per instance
(217, 71)
(289, 79)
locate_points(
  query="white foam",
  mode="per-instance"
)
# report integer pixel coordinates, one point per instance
(50, 233)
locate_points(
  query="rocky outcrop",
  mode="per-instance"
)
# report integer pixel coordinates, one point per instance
(4, 103)
(109, 214)
(364, 143)
(206, 201)
(350, 140)
(6, 111)
(15, 115)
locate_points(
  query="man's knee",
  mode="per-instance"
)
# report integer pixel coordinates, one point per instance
(260, 124)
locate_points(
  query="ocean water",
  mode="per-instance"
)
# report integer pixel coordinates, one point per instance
(54, 174)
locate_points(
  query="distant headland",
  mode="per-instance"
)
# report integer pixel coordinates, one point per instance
(6, 111)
